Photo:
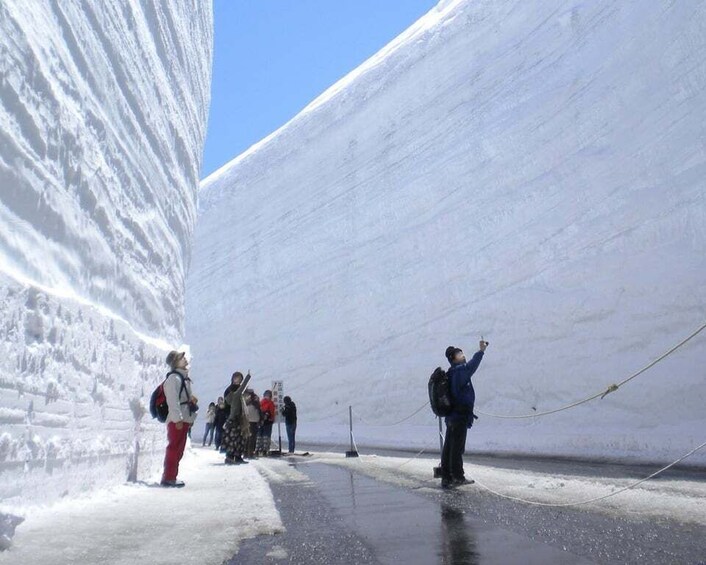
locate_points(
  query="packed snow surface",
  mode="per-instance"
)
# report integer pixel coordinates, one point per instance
(529, 172)
(103, 109)
(144, 523)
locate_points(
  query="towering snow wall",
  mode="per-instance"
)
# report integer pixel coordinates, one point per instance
(532, 172)
(103, 110)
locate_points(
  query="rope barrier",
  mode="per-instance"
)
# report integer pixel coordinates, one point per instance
(562, 504)
(590, 500)
(604, 393)
(341, 412)
(398, 422)
(423, 450)
(612, 388)
(335, 447)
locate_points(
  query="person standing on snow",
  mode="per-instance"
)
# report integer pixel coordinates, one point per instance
(182, 414)
(264, 434)
(210, 424)
(461, 417)
(289, 411)
(221, 417)
(234, 436)
(252, 408)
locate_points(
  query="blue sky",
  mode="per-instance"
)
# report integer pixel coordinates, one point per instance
(272, 57)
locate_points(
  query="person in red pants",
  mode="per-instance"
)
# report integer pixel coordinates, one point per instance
(182, 413)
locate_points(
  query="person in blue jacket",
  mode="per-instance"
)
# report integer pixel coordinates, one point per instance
(461, 418)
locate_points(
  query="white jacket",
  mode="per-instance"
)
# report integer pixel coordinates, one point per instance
(178, 403)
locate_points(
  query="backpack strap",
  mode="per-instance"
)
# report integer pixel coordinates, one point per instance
(183, 384)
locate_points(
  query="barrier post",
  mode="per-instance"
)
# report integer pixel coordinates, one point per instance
(437, 470)
(353, 452)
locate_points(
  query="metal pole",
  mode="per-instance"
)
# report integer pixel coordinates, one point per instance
(441, 436)
(437, 469)
(353, 452)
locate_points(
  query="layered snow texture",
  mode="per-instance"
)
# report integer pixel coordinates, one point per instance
(103, 109)
(103, 113)
(530, 172)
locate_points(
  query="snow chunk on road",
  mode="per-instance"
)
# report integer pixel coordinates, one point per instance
(201, 523)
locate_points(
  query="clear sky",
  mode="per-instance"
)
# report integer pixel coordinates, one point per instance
(272, 57)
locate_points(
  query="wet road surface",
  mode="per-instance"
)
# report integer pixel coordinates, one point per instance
(342, 516)
(345, 517)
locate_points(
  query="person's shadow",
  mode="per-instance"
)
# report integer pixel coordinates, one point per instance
(458, 544)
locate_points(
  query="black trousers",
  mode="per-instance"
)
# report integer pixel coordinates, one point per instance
(452, 454)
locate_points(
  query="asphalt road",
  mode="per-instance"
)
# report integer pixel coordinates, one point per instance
(342, 516)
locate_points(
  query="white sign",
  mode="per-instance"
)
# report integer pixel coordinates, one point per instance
(278, 398)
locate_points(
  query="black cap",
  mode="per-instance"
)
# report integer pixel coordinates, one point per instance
(451, 352)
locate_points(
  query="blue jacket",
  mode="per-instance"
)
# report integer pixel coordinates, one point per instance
(464, 397)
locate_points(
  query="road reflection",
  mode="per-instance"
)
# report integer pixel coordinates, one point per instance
(458, 542)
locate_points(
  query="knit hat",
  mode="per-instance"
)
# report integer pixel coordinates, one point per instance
(173, 357)
(451, 352)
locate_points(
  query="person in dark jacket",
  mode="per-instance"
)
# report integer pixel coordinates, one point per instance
(222, 412)
(461, 417)
(235, 434)
(289, 411)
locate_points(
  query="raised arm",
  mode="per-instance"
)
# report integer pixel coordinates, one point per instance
(244, 384)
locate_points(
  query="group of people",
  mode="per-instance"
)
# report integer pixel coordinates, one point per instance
(240, 423)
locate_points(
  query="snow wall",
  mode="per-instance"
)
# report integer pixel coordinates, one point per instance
(531, 172)
(103, 111)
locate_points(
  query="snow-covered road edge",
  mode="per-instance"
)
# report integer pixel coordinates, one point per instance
(201, 523)
(680, 500)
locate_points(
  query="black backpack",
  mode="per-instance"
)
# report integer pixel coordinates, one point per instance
(158, 401)
(440, 397)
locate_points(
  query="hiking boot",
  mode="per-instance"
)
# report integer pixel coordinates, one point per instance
(462, 481)
(230, 461)
(447, 484)
(240, 461)
(172, 484)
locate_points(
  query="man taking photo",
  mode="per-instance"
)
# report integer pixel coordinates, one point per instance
(461, 417)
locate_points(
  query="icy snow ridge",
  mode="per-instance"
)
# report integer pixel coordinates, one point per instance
(103, 109)
(530, 173)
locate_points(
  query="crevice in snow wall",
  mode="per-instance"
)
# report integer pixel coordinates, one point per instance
(530, 173)
(103, 113)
